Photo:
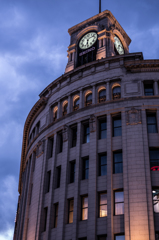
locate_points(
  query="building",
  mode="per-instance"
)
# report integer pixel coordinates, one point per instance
(90, 152)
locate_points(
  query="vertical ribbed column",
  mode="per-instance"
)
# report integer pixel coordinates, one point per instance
(156, 87)
(63, 186)
(109, 179)
(148, 177)
(69, 103)
(125, 179)
(77, 184)
(94, 95)
(107, 90)
(92, 182)
(81, 99)
(50, 202)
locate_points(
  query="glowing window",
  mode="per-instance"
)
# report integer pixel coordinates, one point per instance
(102, 205)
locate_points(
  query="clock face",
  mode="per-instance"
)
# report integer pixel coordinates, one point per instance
(118, 45)
(88, 40)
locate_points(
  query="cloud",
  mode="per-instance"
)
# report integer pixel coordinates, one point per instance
(7, 235)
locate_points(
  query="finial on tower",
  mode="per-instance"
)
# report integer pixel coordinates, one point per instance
(99, 6)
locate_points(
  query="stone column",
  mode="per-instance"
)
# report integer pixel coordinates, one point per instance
(156, 87)
(59, 110)
(107, 92)
(94, 95)
(81, 99)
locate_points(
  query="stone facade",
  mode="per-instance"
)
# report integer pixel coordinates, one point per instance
(47, 151)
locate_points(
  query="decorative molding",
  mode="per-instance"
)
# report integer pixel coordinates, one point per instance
(92, 123)
(40, 149)
(133, 116)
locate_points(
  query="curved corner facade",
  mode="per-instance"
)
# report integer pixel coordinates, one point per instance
(90, 156)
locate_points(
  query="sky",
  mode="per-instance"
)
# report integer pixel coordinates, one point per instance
(33, 53)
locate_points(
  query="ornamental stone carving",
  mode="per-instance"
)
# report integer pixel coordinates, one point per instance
(65, 133)
(40, 148)
(133, 116)
(92, 123)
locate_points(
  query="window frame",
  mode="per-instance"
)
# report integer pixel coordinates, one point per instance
(155, 200)
(102, 120)
(116, 95)
(114, 118)
(119, 190)
(76, 106)
(58, 176)
(72, 171)
(56, 208)
(99, 205)
(102, 98)
(74, 136)
(48, 181)
(82, 198)
(101, 165)
(70, 211)
(117, 152)
(65, 110)
(155, 168)
(88, 102)
(119, 234)
(152, 88)
(86, 136)
(84, 168)
(148, 114)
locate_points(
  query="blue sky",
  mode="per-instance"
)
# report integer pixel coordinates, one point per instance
(33, 53)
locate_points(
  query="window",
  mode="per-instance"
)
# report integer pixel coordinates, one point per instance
(85, 173)
(31, 190)
(72, 171)
(119, 237)
(86, 133)
(88, 99)
(48, 177)
(102, 165)
(154, 159)
(45, 219)
(155, 196)
(76, 104)
(55, 113)
(151, 123)
(56, 214)
(85, 208)
(156, 235)
(119, 202)
(102, 128)
(50, 147)
(116, 92)
(33, 133)
(37, 127)
(65, 109)
(102, 237)
(82, 238)
(70, 211)
(102, 96)
(117, 162)
(58, 172)
(117, 126)
(60, 142)
(102, 204)
(148, 88)
(74, 136)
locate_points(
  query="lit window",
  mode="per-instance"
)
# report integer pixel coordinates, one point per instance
(85, 208)
(116, 92)
(85, 173)
(56, 214)
(119, 203)
(151, 123)
(86, 133)
(148, 88)
(103, 165)
(70, 214)
(65, 109)
(155, 195)
(72, 171)
(117, 162)
(102, 205)
(102, 95)
(154, 159)
(88, 99)
(76, 104)
(117, 126)
(102, 129)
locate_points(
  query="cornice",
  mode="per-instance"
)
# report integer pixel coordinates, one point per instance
(142, 66)
(37, 108)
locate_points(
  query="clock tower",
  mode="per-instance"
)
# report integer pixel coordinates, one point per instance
(98, 37)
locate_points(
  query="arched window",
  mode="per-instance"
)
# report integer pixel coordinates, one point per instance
(65, 108)
(76, 103)
(102, 95)
(116, 92)
(88, 99)
(55, 113)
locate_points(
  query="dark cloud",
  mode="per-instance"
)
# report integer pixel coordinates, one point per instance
(33, 50)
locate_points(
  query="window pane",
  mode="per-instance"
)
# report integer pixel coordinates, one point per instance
(87, 139)
(117, 157)
(102, 93)
(117, 123)
(119, 208)
(118, 168)
(85, 202)
(71, 204)
(103, 159)
(103, 198)
(117, 132)
(119, 197)
(103, 170)
(121, 237)
(103, 125)
(103, 134)
(116, 90)
(71, 217)
(89, 97)
(85, 214)
(103, 210)
(155, 195)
